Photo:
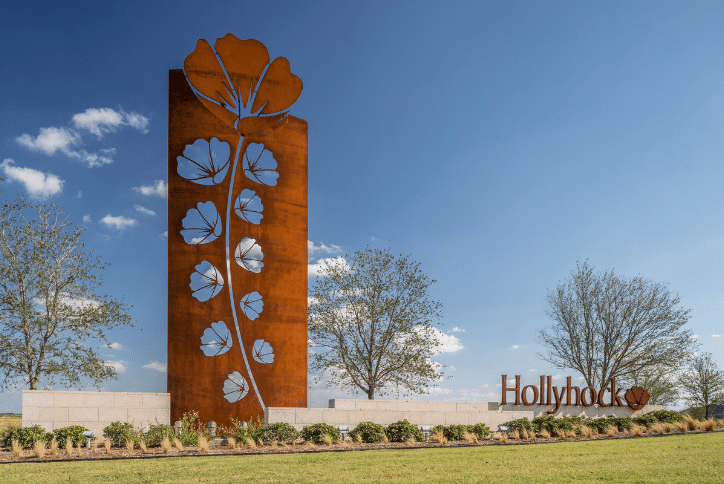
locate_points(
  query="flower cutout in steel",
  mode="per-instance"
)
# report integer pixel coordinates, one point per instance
(252, 305)
(205, 162)
(202, 224)
(216, 339)
(235, 387)
(238, 84)
(248, 206)
(259, 165)
(262, 352)
(248, 255)
(637, 398)
(206, 281)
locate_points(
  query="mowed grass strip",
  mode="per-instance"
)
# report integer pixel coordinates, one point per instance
(681, 458)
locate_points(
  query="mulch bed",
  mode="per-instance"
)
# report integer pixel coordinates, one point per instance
(6, 456)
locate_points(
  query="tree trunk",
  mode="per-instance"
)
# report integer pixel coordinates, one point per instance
(33, 383)
(371, 394)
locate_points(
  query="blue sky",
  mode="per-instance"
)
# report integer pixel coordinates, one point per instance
(496, 143)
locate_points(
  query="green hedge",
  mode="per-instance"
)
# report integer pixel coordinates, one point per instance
(73, 432)
(403, 430)
(369, 432)
(27, 436)
(315, 432)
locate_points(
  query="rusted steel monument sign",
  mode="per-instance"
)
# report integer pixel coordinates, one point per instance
(237, 234)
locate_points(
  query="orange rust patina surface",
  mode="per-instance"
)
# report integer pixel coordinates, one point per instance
(237, 328)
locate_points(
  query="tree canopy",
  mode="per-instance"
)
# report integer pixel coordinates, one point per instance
(50, 313)
(606, 325)
(370, 324)
(703, 383)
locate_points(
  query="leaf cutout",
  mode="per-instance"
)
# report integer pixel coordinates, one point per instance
(248, 206)
(248, 255)
(205, 162)
(260, 165)
(206, 281)
(235, 387)
(216, 340)
(235, 79)
(202, 224)
(252, 305)
(637, 398)
(263, 352)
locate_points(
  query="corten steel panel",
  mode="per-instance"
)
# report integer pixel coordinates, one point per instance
(196, 381)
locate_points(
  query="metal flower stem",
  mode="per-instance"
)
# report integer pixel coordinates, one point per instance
(228, 268)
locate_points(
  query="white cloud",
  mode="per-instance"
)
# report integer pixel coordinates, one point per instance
(457, 330)
(156, 366)
(159, 188)
(535, 369)
(164, 235)
(118, 365)
(145, 210)
(452, 368)
(716, 336)
(515, 347)
(115, 346)
(694, 336)
(80, 194)
(439, 391)
(580, 378)
(37, 183)
(119, 222)
(472, 395)
(87, 219)
(315, 269)
(106, 120)
(447, 342)
(50, 140)
(556, 377)
(332, 249)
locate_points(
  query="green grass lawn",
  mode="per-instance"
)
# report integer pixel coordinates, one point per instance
(680, 458)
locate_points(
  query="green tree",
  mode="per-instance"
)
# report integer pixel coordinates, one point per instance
(370, 324)
(659, 381)
(48, 303)
(703, 383)
(606, 325)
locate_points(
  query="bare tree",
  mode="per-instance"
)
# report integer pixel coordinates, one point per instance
(606, 325)
(659, 381)
(48, 307)
(370, 324)
(703, 383)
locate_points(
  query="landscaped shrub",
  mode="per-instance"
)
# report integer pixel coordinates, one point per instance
(281, 432)
(369, 432)
(156, 433)
(600, 424)
(27, 436)
(119, 433)
(236, 431)
(667, 416)
(403, 430)
(451, 432)
(256, 430)
(552, 424)
(647, 420)
(191, 428)
(73, 432)
(519, 425)
(481, 430)
(314, 433)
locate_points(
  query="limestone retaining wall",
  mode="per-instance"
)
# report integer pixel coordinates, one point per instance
(94, 410)
(384, 412)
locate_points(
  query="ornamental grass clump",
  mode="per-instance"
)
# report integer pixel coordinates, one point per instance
(53, 446)
(439, 437)
(544, 434)
(178, 444)
(68, 446)
(251, 442)
(79, 450)
(16, 449)
(470, 438)
(39, 449)
(691, 423)
(514, 434)
(585, 431)
(708, 425)
(561, 434)
(130, 445)
(93, 446)
(166, 445)
(680, 427)
(107, 445)
(637, 430)
(326, 439)
(203, 444)
(231, 442)
(610, 431)
(143, 447)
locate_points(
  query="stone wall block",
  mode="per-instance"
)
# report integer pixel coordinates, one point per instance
(155, 400)
(127, 400)
(37, 398)
(99, 399)
(113, 414)
(80, 414)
